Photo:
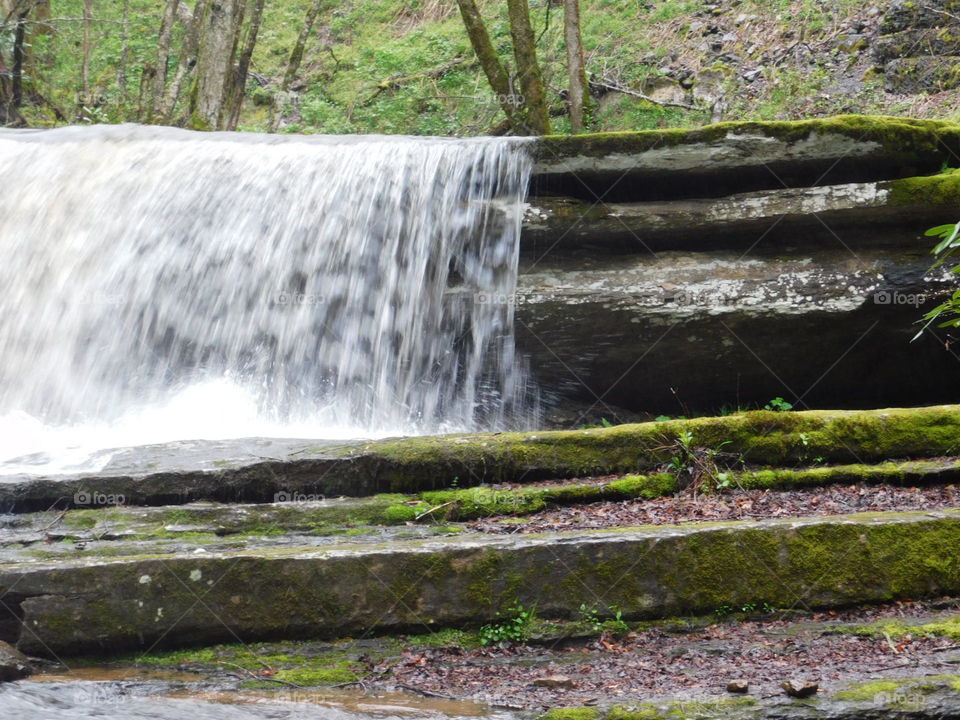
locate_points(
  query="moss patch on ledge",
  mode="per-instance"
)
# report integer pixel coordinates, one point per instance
(934, 190)
(760, 437)
(894, 134)
(898, 692)
(948, 627)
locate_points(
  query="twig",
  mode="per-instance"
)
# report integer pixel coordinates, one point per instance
(434, 509)
(627, 91)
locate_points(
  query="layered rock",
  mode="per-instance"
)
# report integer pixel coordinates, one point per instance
(674, 271)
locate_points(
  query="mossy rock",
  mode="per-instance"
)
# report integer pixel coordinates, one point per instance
(926, 74)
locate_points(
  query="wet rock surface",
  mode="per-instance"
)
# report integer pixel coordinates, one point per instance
(14, 665)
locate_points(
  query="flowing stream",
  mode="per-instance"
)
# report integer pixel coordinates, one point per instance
(161, 285)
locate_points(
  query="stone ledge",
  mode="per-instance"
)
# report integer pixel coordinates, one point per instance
(106, 605)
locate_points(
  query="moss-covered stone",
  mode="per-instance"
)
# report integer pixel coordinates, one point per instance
(892, 133)
(682, 709)
(84, 606)
(934, 190)
(419, 464)
(948, 627)
(571, 713)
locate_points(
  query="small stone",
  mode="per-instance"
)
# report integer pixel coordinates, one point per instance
(738, 686)
(554, 681)
(799, 689)
(14, 665)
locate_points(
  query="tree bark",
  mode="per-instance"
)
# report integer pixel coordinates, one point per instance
(217, 49)
(188, 57)
(537, 118)
(85, 62)
(293, 64)
(489, 60)
(163, 57)
(238, 88)
(575, 65)
(124, 59)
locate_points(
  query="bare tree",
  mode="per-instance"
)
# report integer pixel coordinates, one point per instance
(537, 118)
(188, 57)
(163, 57)
(124, 58)
(576, 69)
(239, 81)
(85, 61)
(218, 29)
(490, 63)
(296, 57)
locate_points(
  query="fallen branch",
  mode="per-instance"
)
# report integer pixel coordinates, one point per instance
(608, 85)
(434, 509)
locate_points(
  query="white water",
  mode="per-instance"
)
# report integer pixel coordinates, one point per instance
(160, 285)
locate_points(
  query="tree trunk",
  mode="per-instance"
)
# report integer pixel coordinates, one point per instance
(217, 49)
(575, 65)
(188, 57)
(163, 56)
(85, 61)
(19, 53)
(293, 64)
(537, 118)
(124, 59)
(489, 60)
(239, 85)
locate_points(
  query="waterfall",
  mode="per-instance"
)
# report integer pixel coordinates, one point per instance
(281, 284)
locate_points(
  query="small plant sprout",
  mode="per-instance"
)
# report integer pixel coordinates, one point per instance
(778, 404)
(512, 628)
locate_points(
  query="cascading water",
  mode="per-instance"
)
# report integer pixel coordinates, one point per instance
(159, 284)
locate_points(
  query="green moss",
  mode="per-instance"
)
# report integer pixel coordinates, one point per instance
(866, 692)
(942, 189)
(948, 628)
(761, 437)
(572, 713)
(314, 676)
(896, 135)
(896, 691)
(682, 709)
(396, 514)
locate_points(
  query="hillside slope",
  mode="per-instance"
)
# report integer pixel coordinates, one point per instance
(378, 66)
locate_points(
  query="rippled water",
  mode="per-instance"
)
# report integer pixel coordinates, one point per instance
(161, 285)
(138, 700)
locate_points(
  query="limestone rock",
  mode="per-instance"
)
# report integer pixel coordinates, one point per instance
(555, 681)
(14, 665)
(799, 688)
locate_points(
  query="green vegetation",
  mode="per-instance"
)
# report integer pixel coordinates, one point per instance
(513, 626)
(894, 629)
(378, 66)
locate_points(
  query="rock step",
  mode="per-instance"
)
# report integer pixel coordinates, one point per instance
(82, 605)
(865, 214)
(735, 157)
(427, 463)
